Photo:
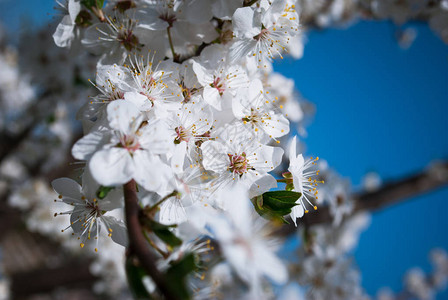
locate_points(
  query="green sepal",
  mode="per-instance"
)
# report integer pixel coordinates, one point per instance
(103, 191)
(289, 187)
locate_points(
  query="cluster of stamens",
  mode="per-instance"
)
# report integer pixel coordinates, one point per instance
(183, 135)
(308, 180)
(238, 164)
(129, 142)
(90, 214)
(218, 84)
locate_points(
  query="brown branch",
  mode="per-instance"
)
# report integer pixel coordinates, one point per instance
(72, 274)
(137, 242)
(389, 194)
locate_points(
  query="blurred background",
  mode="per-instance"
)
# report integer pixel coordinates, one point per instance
(380, 111)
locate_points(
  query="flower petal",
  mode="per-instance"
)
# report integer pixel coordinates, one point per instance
(112, 166)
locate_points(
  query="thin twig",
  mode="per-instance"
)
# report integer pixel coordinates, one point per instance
(171, 44)
(137, 242)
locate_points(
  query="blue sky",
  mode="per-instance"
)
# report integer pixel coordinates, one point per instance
(379, 108)
(382, 109)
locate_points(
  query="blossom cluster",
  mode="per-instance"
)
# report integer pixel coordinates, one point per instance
(186, 104)
(188, 109)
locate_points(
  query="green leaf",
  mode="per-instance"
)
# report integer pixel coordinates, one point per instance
(279, 200)
(163, 232)
(88, 3)
(177, 273)
(99, 3)
(135, 276)
(274, 205)
(93, 3)
(103, 191)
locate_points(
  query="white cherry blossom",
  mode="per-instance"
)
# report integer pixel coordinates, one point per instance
(236, 157)
(89, 212)
(303, 180)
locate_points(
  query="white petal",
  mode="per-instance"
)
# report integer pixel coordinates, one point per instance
(139, 100)
(204, 76)
(270, 265)
(112, 166)
(64, 35)
(150, 171)
(297, 212)
(89, 144)
(177, 161)
(236, 202)
(262, 185)
(273, 13)
(67, 188)
(172, 212)
(89, 185)
(119, 231)
(224, 9)
(214, 156)
(276, 126)
(267, 158)
(243, 23)
(74, 7)
(197, 11)
(211, 96)
(240, 49)
(123, 116)
(292, 149)
(150, 19)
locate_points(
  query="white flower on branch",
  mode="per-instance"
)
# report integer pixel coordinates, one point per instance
(88, 214)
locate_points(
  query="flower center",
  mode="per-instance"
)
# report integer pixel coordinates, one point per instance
(218, 84)
(253, 118)
(238, 164)
(130, 143)
(116, 94)
(182, 135)
(168, 17)
(262, 35)
(128, 39)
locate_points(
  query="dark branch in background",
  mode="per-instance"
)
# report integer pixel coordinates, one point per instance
(390, 193)
(29, 283)
(137, 243)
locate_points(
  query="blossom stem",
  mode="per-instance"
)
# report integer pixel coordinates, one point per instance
(283, 180)
(98, 12)
(172, 194)
(171, 44)
(161, 252)
(137, 242)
